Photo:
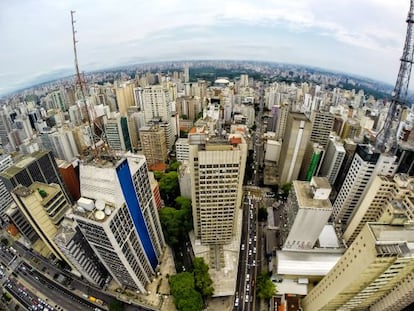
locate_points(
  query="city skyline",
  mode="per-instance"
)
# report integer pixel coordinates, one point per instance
(357, 37)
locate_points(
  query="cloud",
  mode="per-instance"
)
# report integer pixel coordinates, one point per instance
(111, 32)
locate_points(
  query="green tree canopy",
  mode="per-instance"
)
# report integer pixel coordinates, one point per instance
(265, 288)
(174, 165)
(169, 187)
(186, 298)
(202, 279)
(286, 188)
(116, 305)
(158, 175)
(176, 222)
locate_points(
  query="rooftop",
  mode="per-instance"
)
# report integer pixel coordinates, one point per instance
(305, 198)
(306, 263)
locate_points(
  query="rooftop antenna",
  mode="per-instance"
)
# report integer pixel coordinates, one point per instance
(80, 82)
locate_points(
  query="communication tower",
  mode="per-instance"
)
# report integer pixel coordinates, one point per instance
(387, 140)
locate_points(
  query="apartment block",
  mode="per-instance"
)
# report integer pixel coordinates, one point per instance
(378, 261)
(308, 206)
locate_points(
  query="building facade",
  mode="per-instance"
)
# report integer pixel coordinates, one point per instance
(120, 221)
(378, 261)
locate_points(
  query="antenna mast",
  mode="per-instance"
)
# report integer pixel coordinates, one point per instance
(387, 140)
(80, 82)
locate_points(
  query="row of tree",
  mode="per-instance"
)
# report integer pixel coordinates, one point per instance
(176, 221)
(192, 289)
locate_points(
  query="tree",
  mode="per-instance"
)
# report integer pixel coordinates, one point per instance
(202, 279)
(186, 298)
(265, 288)
(158, 175)
(286, 188)
(169, 187)
(116, 305)
(173, 167)
(176, 222)
(171, 225)
(262, 214)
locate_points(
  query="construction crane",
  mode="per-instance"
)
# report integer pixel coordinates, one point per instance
(387, 140)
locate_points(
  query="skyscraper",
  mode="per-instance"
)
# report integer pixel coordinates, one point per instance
(119, 218)
(5, 197)
(44, 206)
(155, 102)
(294, 144)
(332, 161)
(308, 207)
(380, 259)
(153, 144)
(366, 164)
(381, 191)
(38, 166)
(322, 125)
(124, 97)
(117, 134)
(217, 166)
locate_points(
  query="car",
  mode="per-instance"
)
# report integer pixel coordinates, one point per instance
(242, 247)
(254, 262)
(250, 252)
(247, 298)
(247, 287)
(255, 238)
(236, 302)
(250, 241)
(254, 250)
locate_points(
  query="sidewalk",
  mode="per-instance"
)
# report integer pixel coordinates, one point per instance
(158, 295)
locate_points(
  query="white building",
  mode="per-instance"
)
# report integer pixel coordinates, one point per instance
(335, 154)
(308, 207)
(119, 218)
(5, 198)
(182, 149)
(366, 164)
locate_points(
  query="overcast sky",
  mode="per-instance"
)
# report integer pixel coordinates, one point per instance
(362, 37)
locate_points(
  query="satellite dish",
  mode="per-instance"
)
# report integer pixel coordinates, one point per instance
(99, 215)
(100, 205)
(108, 211)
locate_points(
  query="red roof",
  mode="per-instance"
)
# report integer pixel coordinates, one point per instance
(235, 140)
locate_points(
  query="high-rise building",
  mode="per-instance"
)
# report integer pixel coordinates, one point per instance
(350, 148)
(117, 133)
(70, 175)
(311, 162)
(63, 145)
(381, 191)
(378, 261)
(366, 164)
(332, 161)
(217, 166)
(155, 102)
(5, 198)
(125, 97)
(38, 166)
(153, 144)
(119, 219)
(294, 144)
(74, 246)
(44, 206)
(308, 206)
(5, 127)
(182, 149)
(282, 119)
(322, 125)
